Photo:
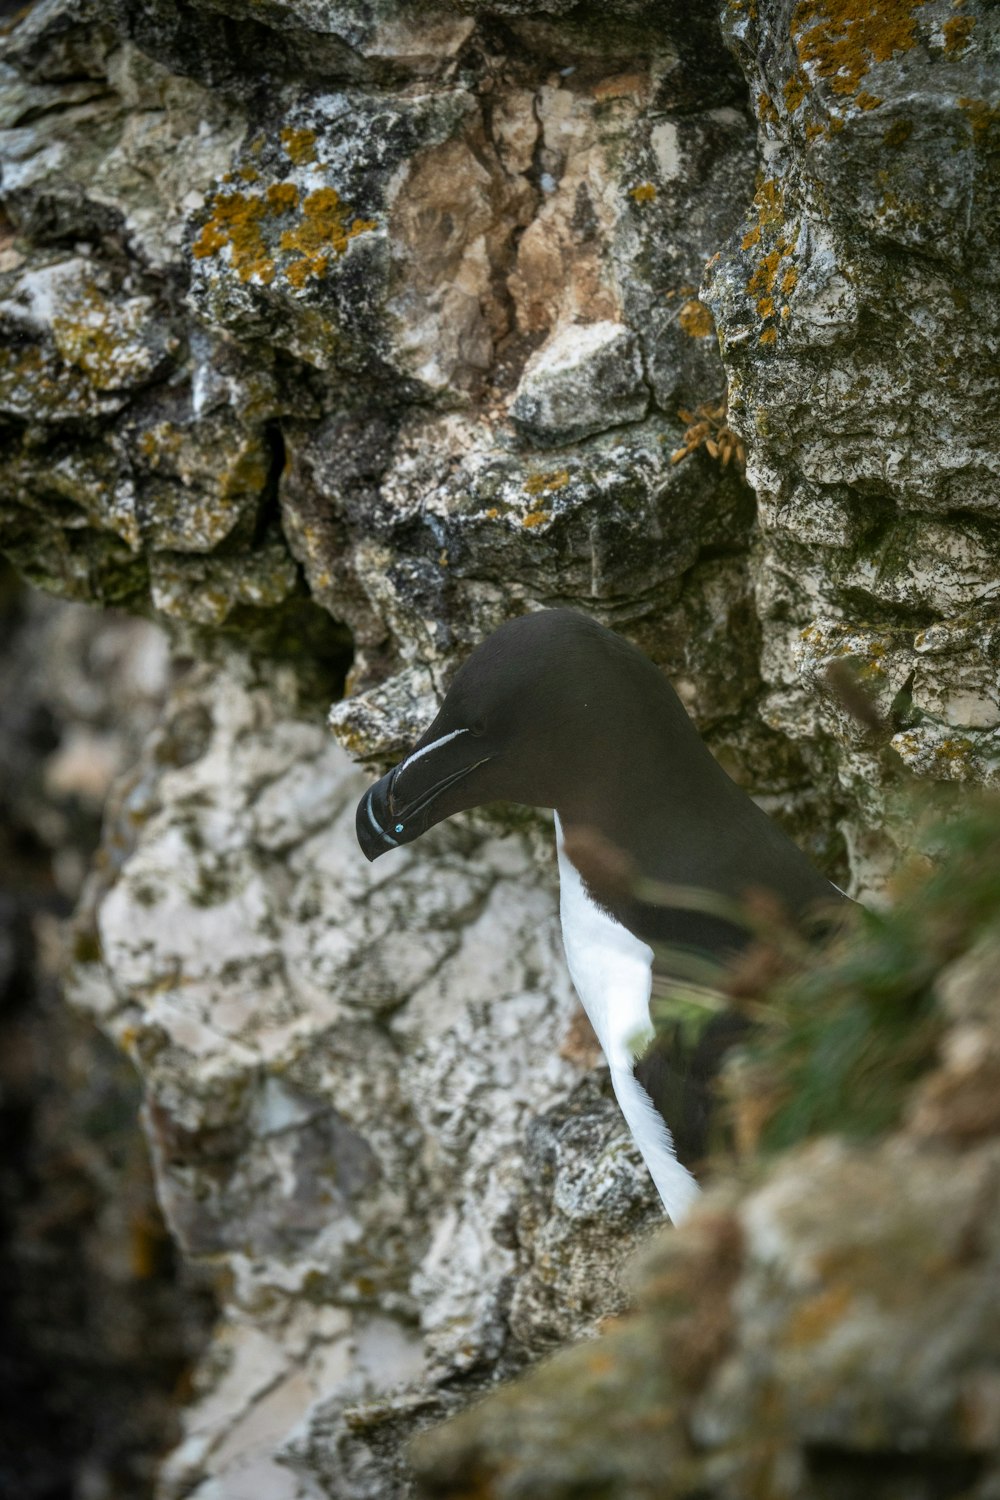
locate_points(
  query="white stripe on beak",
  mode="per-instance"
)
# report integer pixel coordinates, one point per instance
(428, 748)
(378, 826)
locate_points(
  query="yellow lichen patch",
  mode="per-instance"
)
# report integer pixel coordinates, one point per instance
(536, 518)
(236, 222)
(249, 174)
(546, 484)
(844, 39)
(789, 281)
(282, 197)
(492, 513)
(751, 238)
(769, 202)
(957, 32)
(103, 339)
(696, 319)
(644, 193)
(867, 101)
(982, 117)
(769, 336)
(299, 145)
(322, 229)
(766, 110)
(795, 91)
(762, 280)
(763, 283)
(307, 268)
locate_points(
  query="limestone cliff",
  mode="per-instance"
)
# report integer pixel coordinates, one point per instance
(334, 333)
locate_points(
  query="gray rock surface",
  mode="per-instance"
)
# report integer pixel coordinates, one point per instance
(101, 1319)
(332, 334)
(362, 1092)
(857, 310)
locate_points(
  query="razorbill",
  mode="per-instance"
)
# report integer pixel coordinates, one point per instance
(555, 711)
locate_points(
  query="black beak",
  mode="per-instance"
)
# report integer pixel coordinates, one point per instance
(373, 820)
(405, 803)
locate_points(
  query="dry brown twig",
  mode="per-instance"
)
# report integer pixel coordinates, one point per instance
(708, 427)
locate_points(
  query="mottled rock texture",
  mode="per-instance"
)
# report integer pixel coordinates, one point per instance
(101, 1318)
(858, 313)
(336, 332)
(829, 1331)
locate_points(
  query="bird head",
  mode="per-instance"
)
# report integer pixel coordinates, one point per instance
(515, 726)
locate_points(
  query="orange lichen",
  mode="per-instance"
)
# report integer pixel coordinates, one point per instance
(957, 32)
(249, 174)
(769, 336)
(236, 220)
(299, 145)
(765, 307)
(535, 518)
(644, 193)
(844, 39)
(795, 91)
(867, 101)
(789, 280)
(769, 202)
(762, 281)
(307, 268)
(282, 197)
(492, 513)
(696, 319)
(982, 117)
(324, 225)
(546, 484)
(751, 238)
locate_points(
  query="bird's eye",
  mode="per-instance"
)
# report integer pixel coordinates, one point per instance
(399, 827)
(478, 728)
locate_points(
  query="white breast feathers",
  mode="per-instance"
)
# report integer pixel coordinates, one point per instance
(612, 971)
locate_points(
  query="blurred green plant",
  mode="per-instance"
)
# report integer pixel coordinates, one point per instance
(843, 1019)
(843, 1028)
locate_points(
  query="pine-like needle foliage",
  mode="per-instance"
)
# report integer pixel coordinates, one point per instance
(844, 1029)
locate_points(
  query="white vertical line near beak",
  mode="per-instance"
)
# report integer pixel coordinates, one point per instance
(410, 759)
(378, 826)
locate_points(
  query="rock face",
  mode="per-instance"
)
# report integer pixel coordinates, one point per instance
(364, 1093)
(336, 333)
(832, 1331)
(101, 1318)
(857, 307)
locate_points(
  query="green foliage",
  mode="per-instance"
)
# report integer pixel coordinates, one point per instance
(847, 1027)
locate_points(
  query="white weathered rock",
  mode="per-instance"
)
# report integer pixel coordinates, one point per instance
(586, 378)
(342, 1066)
